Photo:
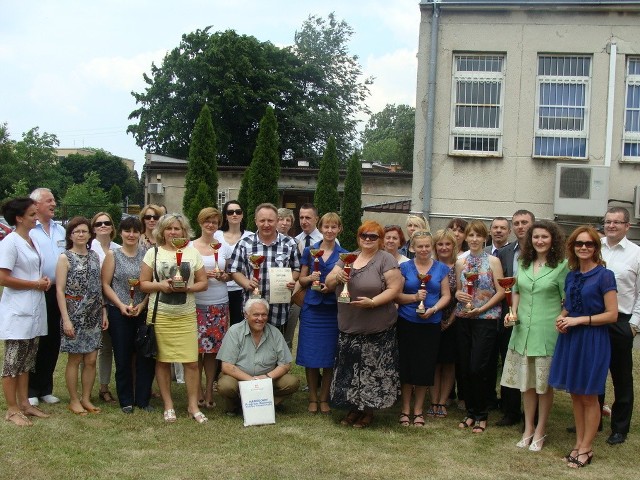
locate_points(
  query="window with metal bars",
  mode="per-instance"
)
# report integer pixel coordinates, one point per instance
(631, 135)
(563, 86)
(477, 105)
(222, 197)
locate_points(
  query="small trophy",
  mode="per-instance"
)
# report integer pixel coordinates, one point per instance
(507, 283)
(133, 283)
(256, 261)
(470, 278)
(424, 278)
(347, 259)
(215, 245)
(316, 254)
(179, 243)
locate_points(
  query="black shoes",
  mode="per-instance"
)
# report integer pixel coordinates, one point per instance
(616, 438)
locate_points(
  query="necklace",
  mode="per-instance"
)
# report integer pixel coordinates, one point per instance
(541, 264)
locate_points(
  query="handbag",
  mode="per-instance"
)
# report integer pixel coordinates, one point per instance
(146, 343)
(298, 296)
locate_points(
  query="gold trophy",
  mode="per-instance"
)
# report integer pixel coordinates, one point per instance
(424, 278)
(507, 283)
(316, 254)
(179, 243)
(216, 245)
(470, 278)
(347, 260)
(133, 283)
(256, 261)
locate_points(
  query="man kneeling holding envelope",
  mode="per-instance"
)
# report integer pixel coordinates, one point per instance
(254, 349)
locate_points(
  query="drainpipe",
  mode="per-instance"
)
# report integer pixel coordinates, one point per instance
(431, 108)
(608, 144)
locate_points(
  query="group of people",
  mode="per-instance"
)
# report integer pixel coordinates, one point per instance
(398, 318)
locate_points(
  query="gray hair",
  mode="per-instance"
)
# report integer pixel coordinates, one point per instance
(36, 195)
(255, 301)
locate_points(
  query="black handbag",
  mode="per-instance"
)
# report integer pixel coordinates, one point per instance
(146, 344)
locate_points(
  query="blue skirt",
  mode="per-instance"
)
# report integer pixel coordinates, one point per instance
(317, 336)
(581, 360)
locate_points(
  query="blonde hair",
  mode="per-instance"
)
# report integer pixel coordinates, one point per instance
(417, 220)
(446, 234)
(168, 219)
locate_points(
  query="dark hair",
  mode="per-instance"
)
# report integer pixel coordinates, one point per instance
(622, 210)
(16, 207)
(71, 226)
(460, 223)
(574, 263)
(309, 206)
(130, 223)
(225, 222)
(557, 250)
(524, 212)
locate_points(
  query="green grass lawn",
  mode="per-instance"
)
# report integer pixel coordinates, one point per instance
(111, 445)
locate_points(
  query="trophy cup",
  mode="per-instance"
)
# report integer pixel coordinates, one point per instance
(424, 278)
(256, 261)
(316, 254)
(133, 283)
(347, 259)
(507, 283)
(215, 245)
(179, 243)
(470, 277)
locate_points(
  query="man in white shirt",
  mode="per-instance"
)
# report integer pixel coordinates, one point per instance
(499, 235)
(623, 258)
(50, 238)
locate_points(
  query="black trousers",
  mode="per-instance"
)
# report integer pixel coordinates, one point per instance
(41, 379)
(621, 368)
(509, 397)
(476, 339)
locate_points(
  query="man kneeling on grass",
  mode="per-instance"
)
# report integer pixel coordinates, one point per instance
(254, 349)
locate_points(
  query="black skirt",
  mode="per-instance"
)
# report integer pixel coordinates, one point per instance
(418, 347)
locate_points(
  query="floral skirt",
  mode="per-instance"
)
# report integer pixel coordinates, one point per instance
(524, 373)
(213, 321)
(366, 371)
(19, 356)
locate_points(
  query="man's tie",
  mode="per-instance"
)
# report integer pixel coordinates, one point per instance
(307, 241)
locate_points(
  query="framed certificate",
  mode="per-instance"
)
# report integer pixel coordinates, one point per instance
(279, 277)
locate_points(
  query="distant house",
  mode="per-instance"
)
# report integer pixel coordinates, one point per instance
(529, 104)
(382, 188)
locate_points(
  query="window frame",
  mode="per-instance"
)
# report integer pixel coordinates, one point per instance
(630, 136)
(488, 133)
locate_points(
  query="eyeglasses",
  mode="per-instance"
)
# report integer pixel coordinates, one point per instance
(80, 232)
(421, 233)
(579, 244)
(151, 217)
(106, 223)
(614, 222)
(372, 237)
(237, 211)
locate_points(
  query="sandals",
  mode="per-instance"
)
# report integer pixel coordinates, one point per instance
(364, 421)
(34, 411)
(82, 413)
(352, 417)
(169, 415)
(431, 412)
(418, 420)
(441, 411)
(199, 417)
(210, 405)
(464, 423)
(314, 404)
(536, 445)
(106, 396)
(576, 463)
(201, 403)
(18, 418)
(569, 457)
(324, 411)
(477, 428)
(404, 419)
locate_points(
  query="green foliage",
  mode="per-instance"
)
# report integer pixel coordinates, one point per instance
(326, 198)
(115, 194)
(265, 167)
(85, 198)
(243, 193)
(323, 45)
(388, 136)
(351, 204)
(20, 189)
(201, 181)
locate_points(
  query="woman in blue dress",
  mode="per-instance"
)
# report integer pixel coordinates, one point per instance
(318, 334)
(419, 333)
(581, 358)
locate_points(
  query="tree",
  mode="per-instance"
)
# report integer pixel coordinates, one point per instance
(115, 205)
(351, 204)
(201, 181)
(323, 45)
(36, 162)
(265, 167)
(326, 197)
(85, 198)
(243, 193)
(388, 136)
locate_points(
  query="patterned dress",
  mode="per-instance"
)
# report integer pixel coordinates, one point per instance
(83, 295)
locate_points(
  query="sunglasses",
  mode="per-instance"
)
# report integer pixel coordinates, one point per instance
(372, 237)
(106, 223)
(580, 244)
(237, 211)
(151, 217)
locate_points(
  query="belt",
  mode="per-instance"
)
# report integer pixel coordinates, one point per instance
(72, 297)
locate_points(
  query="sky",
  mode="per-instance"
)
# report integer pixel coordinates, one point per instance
(69, 66)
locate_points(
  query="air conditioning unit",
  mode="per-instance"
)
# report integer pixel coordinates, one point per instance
(636, 201)
(581, 190)
(156, 188)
